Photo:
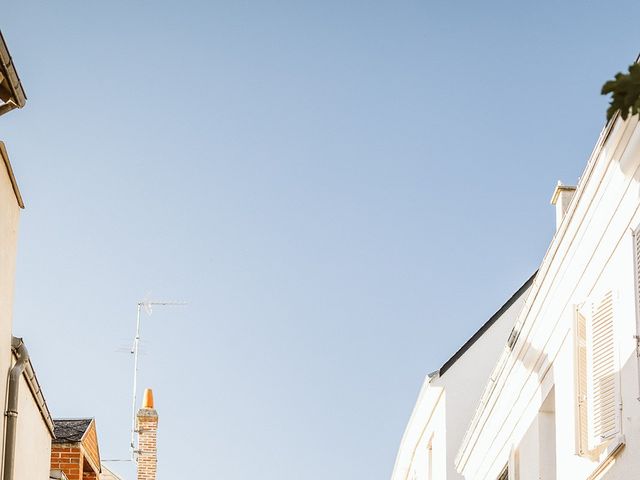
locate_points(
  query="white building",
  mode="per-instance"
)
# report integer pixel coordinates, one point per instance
(563, 402)
(449, 397)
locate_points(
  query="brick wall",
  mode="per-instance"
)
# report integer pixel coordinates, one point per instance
(67, 458)
(147, 444)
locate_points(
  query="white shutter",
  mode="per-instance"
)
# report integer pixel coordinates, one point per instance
(636, 257)
(603, 385)
(582, 424)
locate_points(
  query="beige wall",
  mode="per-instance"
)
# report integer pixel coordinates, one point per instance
(33, 442)
(33, 436)
(9, 213)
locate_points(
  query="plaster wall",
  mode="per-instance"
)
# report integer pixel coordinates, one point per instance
(9, 213)
(33, 439)
(446, 405)
(465, 380)
(591, 254)
(428, 454)
(528, 455)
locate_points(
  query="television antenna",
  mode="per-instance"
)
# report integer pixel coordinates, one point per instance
(147, 306)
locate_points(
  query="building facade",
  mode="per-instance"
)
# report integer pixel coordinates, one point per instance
(448, 399)
(564, 400)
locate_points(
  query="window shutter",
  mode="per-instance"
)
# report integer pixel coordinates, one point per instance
(581, 384)
(636, 255)
(603, 384)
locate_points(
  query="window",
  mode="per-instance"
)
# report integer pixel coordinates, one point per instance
(597, 376)
(547, 438)
(534, 458)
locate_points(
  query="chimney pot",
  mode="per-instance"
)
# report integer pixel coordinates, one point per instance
(147, 399)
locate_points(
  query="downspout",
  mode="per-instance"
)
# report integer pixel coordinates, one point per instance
(12, 406)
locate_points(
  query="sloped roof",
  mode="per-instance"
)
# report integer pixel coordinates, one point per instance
(10, 87)
(70, 430)
(487, 325)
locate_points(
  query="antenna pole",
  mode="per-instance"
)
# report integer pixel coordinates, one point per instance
(134, 351)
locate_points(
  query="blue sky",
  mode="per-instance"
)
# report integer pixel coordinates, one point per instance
(343, 191)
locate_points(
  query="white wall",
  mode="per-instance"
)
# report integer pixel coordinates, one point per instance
(592, 252)
(447, 403)
(466, 379)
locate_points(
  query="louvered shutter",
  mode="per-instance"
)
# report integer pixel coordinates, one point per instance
(581, 384)
(636, 256)
(603, 384)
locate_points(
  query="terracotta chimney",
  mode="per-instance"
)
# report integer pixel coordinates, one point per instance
(147, 426)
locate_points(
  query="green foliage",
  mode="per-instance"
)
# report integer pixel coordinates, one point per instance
(625, 90)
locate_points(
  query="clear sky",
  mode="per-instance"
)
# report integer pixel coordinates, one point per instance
(343, 191)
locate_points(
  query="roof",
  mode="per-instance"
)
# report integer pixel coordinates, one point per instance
(10, 86)
(12, 178)
(430, 394)
(469, 343)
(70, 430)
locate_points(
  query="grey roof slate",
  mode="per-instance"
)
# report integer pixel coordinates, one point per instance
(486, 326)
(70, 430)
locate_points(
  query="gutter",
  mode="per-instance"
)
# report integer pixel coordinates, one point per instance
(14, 183)
(38, 396)
(11, 84)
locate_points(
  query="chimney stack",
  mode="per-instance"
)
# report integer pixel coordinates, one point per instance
(561, 198)
(147, 426)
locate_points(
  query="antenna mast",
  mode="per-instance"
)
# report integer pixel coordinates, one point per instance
(147, 306)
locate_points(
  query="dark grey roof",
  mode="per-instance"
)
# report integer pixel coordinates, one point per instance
(70, 430)
(447, 365)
